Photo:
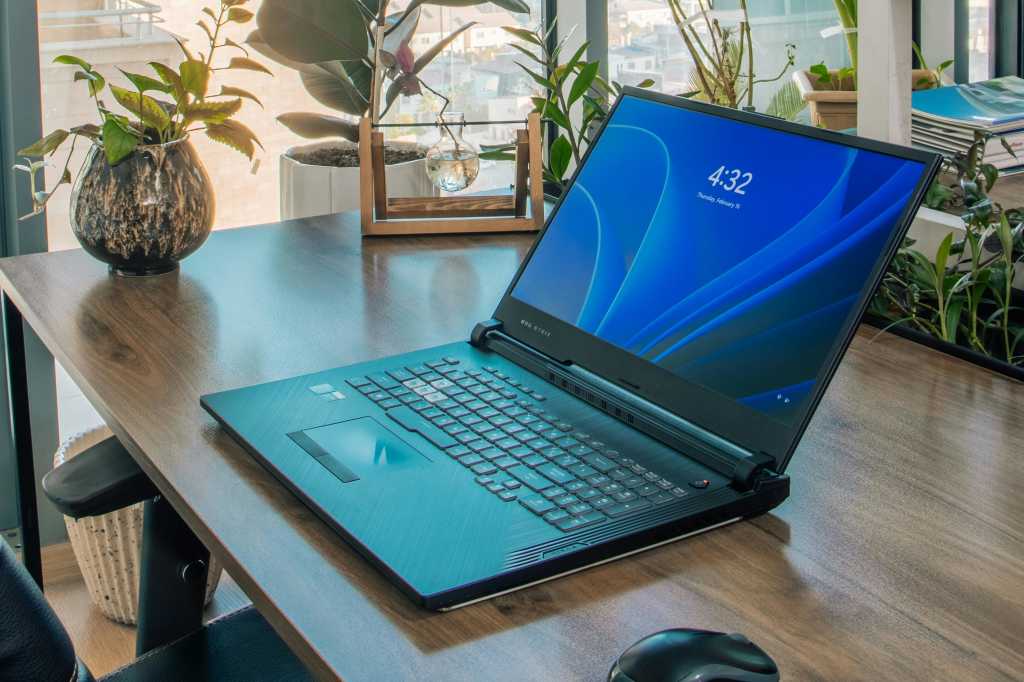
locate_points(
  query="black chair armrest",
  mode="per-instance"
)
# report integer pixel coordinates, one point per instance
(102, 479)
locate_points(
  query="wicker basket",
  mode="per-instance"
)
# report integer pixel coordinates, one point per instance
(107, 546)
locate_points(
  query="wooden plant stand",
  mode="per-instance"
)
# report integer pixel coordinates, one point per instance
(382, 215)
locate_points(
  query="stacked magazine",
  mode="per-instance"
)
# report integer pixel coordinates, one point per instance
(946, 119)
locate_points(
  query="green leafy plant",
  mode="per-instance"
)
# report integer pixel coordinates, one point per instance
(160, 109)
(346, 51)
(965, 295)
(567, 89)
(723, 56)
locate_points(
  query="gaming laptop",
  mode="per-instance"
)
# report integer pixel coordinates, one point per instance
(646, 376)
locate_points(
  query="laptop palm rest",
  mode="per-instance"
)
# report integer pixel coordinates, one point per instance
(358, 448)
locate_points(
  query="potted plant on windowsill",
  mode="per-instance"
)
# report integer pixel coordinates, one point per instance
(831, 93)
(143, 200)
(331, 44)
(966, 299)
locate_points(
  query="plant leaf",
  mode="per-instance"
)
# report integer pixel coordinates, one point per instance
(248, 65)
(45, 146)
(431, 54)
(312, 31)
(73, 61)
(583, 81)
(256, 42)
(118, 143)
(234, 135)
(524, 35)
(230, 91)
(171, 79)
(331, 86)
(143, 83)
(316, 126)
(560, 156)
(239, 15)
(195, 77)
(143, 106)
(211, 112)
(95, 80)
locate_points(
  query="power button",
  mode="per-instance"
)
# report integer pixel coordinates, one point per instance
(700, 483)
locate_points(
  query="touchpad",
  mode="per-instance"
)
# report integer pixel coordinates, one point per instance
(358, 448)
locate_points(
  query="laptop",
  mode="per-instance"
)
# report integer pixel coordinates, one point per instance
(647, 375)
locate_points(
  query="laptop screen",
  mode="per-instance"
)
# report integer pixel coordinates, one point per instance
(732, 255)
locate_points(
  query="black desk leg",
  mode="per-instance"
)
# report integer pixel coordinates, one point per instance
(172, 580)
(17, 376)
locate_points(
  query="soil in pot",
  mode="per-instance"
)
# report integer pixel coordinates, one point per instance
(348, 157)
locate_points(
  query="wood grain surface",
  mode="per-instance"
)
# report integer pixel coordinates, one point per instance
(900, 555)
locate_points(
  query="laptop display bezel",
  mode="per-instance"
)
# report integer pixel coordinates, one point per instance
(748, 428)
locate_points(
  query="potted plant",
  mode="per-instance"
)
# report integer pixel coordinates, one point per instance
(831, 93)
(143, 200)
(573, 97)
(332, 44)
(964, 300)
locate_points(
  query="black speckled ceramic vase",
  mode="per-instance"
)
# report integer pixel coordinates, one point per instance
(146, 213)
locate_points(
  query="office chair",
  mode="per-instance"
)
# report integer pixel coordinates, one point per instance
(35, 646)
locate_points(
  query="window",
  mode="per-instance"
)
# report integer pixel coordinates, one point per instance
(478, 72)
(979, 39)
(644, 42)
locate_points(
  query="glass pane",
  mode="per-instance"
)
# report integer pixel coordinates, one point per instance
(477, 71)
(980, 40)
(644, 41)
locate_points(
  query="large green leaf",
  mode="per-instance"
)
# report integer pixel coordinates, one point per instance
(171, 78)
(210, 111)
(331, 86)
(583, 81)
(248, 65)
(145, 107)
(256, 42)
(144, 83)
(316, 126)
(195, 76)
(311, 31)
(118, 143)
(560, 156)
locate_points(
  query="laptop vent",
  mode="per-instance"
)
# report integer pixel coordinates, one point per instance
(583, 393)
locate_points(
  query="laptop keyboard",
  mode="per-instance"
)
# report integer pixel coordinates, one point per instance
(498, 428)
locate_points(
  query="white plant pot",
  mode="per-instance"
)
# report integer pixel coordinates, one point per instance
(308, 190)
(930, 227)
(107, 547)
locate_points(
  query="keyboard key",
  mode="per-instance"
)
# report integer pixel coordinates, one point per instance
(627, 507)
(599, 462)
(414, 422)
(556, 515)
(356, 382)
(442, 421)
(534, 461)
(520, 452)
(484, 480)
(563, 426)
(435, 397)
(505, 462)
(554, 492)
(612, 488)
(455, 429)
(507, 495)
(598, 480)
(507, 443)
(578, 508)
(414, 383)
(634, 482)
(581, 450)
(466, 437)
(576, 522)
(602, 502)
(565, 500)
(679, 492)
(573, 486)
(583, 470)
(400, 374)
(512, 484)
(454, 411)
(647, 490)
(420, 405)
(624, 496)
(556, 473)
(491, 454)
(434, 364)
(478, 445)
(484, 468)
(471, 460)
(451, 360)
(536, 504)
(378, 396)
(661, 497)
(529, 477)
(432, 414)
(567, 442)
(495, 487)
(588, 494)
(431, 376)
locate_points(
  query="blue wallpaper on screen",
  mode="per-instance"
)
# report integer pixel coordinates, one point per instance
(741, 293)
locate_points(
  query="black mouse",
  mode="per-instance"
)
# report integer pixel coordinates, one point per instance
(694, 656)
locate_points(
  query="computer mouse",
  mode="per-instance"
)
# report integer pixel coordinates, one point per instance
(694, 656)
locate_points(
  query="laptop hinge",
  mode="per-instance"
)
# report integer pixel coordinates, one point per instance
(742, 466)
(749, 470)
(480, 331)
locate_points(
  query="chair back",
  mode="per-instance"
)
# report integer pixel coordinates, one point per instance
(33, 643)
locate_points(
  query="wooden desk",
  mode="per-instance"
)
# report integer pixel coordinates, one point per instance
(899, 556)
